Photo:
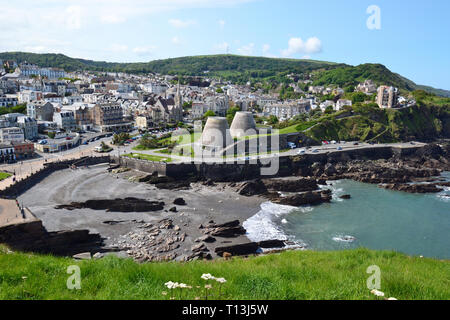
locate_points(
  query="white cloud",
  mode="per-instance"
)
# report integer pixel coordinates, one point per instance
(266, 49)
(221, 23)
(177, 23)
(297, 45)
(247, 50)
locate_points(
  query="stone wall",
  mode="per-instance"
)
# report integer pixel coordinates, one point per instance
(33, 237)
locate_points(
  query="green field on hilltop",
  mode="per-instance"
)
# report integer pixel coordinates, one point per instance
(290, 275)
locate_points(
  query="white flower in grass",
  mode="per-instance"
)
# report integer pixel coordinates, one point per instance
(172, 285)
(221, 280)
(392, 298)
(184, 286)
(207, 276)
(208, 286)
(377, 293)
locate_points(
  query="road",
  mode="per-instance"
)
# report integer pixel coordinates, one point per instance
(313, 150)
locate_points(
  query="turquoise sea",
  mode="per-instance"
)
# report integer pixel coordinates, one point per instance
(375, 218)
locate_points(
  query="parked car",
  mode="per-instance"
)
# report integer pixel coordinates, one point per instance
(339, 148)
(302, 151)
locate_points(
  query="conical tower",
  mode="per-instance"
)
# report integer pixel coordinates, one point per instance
(216, 133)
(242, 123)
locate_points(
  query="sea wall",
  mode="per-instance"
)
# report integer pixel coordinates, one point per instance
(251, 169)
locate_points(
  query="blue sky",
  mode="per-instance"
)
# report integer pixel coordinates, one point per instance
(413, 39)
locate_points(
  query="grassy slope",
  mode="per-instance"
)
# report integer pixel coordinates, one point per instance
(290, 275)
(417, 123)
(351, 76)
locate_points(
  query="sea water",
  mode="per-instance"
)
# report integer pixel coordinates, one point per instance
(375, 218)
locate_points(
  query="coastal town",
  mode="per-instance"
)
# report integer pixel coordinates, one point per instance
(62, 110)
(210, 157)
(198, 141)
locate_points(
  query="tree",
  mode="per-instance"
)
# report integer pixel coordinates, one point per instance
(329, 110)
(208, 114)
(231, 113)
(273, 120)
(349, 89)
(359, 97)
(120, 138)
(187, 105)
(219, 90)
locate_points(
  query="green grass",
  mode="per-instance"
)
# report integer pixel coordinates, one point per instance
(290, 275)
(4, 175)
(147, 157)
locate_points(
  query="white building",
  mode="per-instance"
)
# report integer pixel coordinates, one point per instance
(342, 103)
(65, 120)
(11, 134)
(286, 111)
(8, 101)
(27, 69)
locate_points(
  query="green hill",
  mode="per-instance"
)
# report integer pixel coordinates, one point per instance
(239, 69)
(351, 76)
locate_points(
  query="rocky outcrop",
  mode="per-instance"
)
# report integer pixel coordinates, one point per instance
(116, 205)
(291, 185)
(179, 202)
(249, 248)
(252, 188)
(306, 198)
(152, 242)
(414, 188)
(230, 229)
(33, 237)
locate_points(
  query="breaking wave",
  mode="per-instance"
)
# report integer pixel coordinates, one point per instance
(264, 225)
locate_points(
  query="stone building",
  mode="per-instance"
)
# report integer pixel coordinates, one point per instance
(40, 110)
(108, 117)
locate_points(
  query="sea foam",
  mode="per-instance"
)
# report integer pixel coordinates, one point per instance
(264, 225)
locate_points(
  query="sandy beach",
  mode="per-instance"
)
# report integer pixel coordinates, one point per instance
(203, 204)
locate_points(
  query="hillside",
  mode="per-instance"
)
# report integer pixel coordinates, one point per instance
(238, 69)
(257, 67)
(292, 275)
(351, 76)
(420, 123)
